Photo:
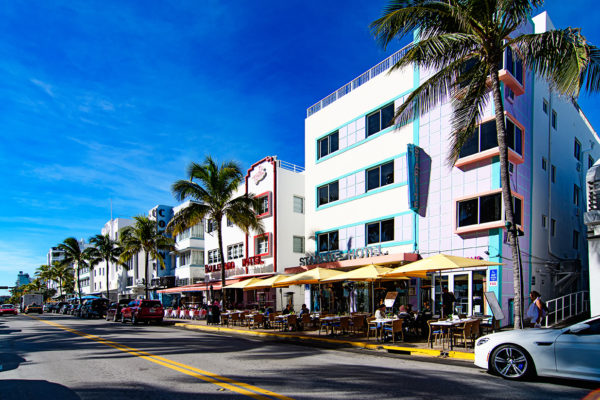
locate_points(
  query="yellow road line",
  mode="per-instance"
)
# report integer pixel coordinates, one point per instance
(222, 381)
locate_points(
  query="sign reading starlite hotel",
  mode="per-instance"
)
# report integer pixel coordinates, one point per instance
(333, 256)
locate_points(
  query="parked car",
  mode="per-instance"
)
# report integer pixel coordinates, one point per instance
(76, 310)
(142, 310)
(114, 310)
(34, 308)
(8, 309)
(571, 352)
(65, 309)
(94, 308)
(58, 306)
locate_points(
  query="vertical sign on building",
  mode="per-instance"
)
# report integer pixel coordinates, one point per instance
(412, 160)
(162, 215)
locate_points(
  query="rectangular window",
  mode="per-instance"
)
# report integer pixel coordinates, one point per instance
(380, 176)
(514, 65)
(545, 106)
(328, 241)
(484, 209)
(298, 245)
(211, 226)
(577, 150)
(380, 119)
(299, 204)
(485, 137)
(229, 223)
(554, 118)
(553, 227)
(213, 256)
(235, 251)
(576, 194)
(590, 162)
(328, 193)
(329, 144)
(262, 245)
(575, 240)
(380, 231)
(263, 205)
(544, 221)
(544, 163)
(509, 94)
(553, 173)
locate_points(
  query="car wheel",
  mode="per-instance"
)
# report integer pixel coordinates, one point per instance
(511, 362)
(134, 319)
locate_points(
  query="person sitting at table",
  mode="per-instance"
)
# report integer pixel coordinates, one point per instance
(380, 312)
(287, 310)
(303, 310)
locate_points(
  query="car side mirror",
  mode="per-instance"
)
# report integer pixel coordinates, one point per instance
(578, 328)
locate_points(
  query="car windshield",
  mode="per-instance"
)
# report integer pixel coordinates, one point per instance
(7, 306)
(150, 303)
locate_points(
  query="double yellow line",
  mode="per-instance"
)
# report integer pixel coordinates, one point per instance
(221, 381)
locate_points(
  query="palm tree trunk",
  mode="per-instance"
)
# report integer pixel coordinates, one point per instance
(107, 280)
(507, 196)
(60, 286)
(146, 268)
(78, 283)
(220, 238)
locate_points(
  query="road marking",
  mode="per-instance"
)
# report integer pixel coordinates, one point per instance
(222, 381)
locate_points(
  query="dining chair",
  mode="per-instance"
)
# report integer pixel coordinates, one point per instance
(257, 321)
(306, 321)
(358, 324)
(475, 331)
(435, 333)
(235, 318)
(394, 327)
(372, 328)
(342, 326)
(462, 332)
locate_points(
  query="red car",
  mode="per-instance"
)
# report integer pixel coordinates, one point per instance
(142, 310)
(6, 309)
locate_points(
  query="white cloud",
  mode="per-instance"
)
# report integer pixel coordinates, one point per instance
(44, 86)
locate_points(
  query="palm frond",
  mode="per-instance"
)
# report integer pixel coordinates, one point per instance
(187, 217)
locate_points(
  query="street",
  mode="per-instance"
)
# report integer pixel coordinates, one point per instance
(53, 356)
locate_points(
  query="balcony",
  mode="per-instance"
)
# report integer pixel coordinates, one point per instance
(484, 211)
(512, 73)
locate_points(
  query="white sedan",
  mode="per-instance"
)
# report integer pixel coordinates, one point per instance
(572, 352)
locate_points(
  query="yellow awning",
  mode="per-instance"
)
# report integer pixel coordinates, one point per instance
(368, 273)
(243, 284)
(439, 262)
(265, 283)
(315, 275)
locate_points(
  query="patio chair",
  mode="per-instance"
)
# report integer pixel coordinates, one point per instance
(394, 327)
(475, 331)
(290, 322)
(435, 334)
(357, 324)
(373, 328)
(224, 320)
(306, 321)
(235, 318)
(257, 321)
(342, 326)
(462, 332)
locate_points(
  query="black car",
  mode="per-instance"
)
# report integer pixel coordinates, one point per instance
(57, 308)
(94, 308)
(114, 310)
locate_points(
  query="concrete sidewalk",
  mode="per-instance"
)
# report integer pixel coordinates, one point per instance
(416, 348)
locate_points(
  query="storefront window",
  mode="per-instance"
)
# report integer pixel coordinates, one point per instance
(461, 293)
(478, 289)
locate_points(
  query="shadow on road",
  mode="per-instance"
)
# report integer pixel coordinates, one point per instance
(20, 389)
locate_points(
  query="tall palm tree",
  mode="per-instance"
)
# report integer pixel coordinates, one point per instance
(143, 236)
(212, 188)
(464, 42)
(107, 250)
(76, 256)
(44, 273)
(62, 273)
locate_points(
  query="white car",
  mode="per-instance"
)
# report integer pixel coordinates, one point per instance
(572, 352)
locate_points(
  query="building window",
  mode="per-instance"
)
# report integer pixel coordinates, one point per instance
(590, 162)
(328, 193)
(554, 118)
(263, 205)
(575, 240)
(544, 221)
(484, 209)
(298, 245)
(511, 167)
(235, 251)
(544, 163)
(553, 173)
(510, 95)
(261, 245)
(213, 256)
(211, 225)
(577, 150)
(381, 231)
(299, 204)
(576, 194)
(553, 227)
(545, 106)
(380, 176)
(229, 223)
(514, 65)
(328, 144)
(485, 137)
(328, 241)
(380, 119)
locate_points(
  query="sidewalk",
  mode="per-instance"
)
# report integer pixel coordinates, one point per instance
(418, 348)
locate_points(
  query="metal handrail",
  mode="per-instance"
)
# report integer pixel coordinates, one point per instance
(565, 307)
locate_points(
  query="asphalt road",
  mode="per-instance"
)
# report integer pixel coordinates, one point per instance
(62, 357)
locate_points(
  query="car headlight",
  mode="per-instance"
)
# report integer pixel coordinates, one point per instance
(481, 341)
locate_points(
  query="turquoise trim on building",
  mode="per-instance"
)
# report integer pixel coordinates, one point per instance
(366, 139)
(531, 174)
(496, 184)
(495, 247)
(364, 222)
(360, 196)
(416, 133)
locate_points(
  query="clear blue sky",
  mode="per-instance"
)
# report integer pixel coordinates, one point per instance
(111, 100)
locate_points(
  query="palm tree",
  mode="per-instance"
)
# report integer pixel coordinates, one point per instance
(61, 273)
(464, 41)
(143, 236)
(44, 273)
(105, 249)
(76, 256)
(212, 188)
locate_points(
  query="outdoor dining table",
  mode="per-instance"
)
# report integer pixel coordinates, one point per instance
(327, 322)
(450, 325)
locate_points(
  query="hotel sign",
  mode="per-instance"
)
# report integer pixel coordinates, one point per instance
(256, 260)
(217, 267)
(412, 154)
(333, 256)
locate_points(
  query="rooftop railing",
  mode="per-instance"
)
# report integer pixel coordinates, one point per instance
(290, 167)
(359, 81)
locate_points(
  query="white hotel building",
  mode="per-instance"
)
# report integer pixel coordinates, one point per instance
(371, 184)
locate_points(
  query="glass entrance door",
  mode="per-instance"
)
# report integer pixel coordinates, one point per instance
(462, 294)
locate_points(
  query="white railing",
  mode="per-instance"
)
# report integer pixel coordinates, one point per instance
(290, 167)
(565, 307)
(359, 81)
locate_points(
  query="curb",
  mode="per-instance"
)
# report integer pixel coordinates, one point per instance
(459, 355)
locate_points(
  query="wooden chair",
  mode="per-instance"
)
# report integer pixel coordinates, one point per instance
(463, 333)
(434, 333)
(475, 331)
(235, 318)
(289, 323)
(257, 321)
(306, 321)
(358, 324)
(394, 327)
(372, 328)
(342, 326)
(225, 320)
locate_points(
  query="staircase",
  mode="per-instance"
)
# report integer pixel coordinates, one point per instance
(567, 307)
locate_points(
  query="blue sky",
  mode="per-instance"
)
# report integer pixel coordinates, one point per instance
(110, 100)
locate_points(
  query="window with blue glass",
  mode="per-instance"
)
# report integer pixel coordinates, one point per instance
(514, 65)
(328, 241)
(484, 209)
(485, 137)
(380, 119)
(328, 144)
(380, 175)
(380, 231)
(328, 193)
